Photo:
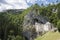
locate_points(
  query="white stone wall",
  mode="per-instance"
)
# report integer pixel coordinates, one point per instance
(39, 27)
(43, 27)
(47, 26)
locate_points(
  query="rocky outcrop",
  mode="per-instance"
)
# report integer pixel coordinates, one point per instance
(35, 24)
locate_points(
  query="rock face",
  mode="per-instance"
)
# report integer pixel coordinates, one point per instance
(35, 24)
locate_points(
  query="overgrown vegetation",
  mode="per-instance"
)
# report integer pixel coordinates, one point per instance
(11, 24)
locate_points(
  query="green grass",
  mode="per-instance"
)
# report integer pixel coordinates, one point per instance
(50, 36)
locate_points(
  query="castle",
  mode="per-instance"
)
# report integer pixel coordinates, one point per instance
(34, 24)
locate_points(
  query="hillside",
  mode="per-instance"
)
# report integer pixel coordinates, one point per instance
(13, 11)
(50, 36)
(11, 22)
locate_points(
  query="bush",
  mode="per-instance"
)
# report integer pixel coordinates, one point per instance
(18, 38)
(58, 25)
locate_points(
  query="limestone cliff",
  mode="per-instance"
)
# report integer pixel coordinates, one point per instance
(34, 24)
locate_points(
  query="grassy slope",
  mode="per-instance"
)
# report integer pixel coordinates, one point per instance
(50, 36)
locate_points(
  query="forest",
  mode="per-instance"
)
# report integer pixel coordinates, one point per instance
(11, 25)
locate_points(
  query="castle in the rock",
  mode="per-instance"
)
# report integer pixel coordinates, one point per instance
(34, 24)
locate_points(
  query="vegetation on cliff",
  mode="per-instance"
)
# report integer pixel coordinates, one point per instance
(11, 24)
